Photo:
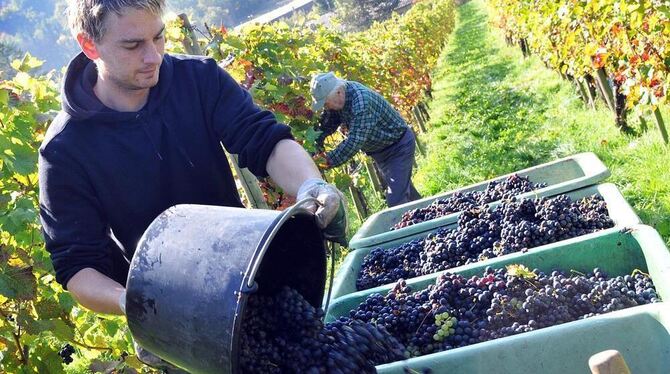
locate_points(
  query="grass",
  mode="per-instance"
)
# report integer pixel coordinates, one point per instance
(494, 112)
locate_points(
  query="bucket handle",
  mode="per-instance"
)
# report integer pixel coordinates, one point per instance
(298, 207)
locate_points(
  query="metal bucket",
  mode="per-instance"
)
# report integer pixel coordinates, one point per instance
(195, 267)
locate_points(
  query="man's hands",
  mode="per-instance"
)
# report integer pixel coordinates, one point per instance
(330, 214)
(291, 167)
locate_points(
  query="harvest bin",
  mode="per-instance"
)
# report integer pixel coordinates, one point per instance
(195, 267)
(619, 210)
(563, 175)
(641, 334)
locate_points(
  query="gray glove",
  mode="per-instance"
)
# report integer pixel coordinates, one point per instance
(122, 302)
(330, 214)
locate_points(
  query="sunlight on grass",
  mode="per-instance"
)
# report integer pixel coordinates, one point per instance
(495, 112)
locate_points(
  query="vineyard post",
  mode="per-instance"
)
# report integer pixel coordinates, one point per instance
(359, 202)
(423, 109)
(621, 112)
(582, 93)
(249, 184)
(418, 119)
(418, 143)
(643, 123)
(190, 43)
(589, 94)
(605, 88)
(661, 125)
(374, 177)
(524, 47)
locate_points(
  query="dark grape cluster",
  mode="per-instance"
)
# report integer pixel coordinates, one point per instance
(482, 233)
(383, 266)
(460, 201)
(283, 333)
(65, 353)
(458, 311)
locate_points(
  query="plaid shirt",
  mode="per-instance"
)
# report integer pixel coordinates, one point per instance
(372, 122)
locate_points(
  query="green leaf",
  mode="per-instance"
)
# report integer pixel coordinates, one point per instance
(311, 135)
(342, 181)
(520, 271)
(54, 326)
(111, 327)
(4, 98)
(24, 159)
(66, 301)
(27, 63)
(235, 42)
(45, 358)
(61, 330)
(5, 287)
(48, 309)
(18, 283)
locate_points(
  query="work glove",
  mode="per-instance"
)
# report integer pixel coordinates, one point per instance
(330, 213)
(122, 302)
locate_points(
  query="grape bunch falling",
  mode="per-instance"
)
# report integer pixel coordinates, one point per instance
(482, 233)
(459, 201)
(283, 333)
(457, 311)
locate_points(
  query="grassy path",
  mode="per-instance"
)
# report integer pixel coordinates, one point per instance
(494, 112)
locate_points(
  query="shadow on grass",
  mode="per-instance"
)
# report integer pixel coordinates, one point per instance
(489, 123)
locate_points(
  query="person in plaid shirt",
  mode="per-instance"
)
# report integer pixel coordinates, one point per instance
(373, 126)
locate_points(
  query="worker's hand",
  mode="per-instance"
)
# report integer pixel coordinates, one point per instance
(122, 302)
(330, 213)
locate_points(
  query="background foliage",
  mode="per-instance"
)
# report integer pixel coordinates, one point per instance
(275, 62)
(630, 39)
(40, 27)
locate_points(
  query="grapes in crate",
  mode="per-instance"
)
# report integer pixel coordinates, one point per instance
(482, 233)
(460, 201)
(458, 311)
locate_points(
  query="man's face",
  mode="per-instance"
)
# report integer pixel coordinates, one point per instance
(131, 51)
(335, 101)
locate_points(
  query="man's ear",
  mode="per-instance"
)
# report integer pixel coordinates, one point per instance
(88, 46)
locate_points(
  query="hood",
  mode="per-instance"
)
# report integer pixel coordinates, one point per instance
(79, 101)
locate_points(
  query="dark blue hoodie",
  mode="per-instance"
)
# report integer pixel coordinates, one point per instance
(105, 175)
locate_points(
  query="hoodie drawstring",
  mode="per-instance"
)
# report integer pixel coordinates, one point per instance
(176, 140)
(151, 140)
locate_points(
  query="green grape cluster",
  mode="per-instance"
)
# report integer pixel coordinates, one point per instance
(445, 324)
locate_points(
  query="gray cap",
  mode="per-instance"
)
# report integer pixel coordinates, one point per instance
(321, 86)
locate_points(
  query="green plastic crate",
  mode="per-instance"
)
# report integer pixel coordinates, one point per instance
(641, 334)
(563, 175)
(619, 210)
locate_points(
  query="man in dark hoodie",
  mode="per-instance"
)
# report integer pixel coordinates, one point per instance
(141, 131)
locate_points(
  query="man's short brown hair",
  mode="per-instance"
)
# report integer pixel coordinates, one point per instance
(88, 16)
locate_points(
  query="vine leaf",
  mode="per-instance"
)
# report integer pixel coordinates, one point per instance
(18, 283)
(520, 271)
(27, 63)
